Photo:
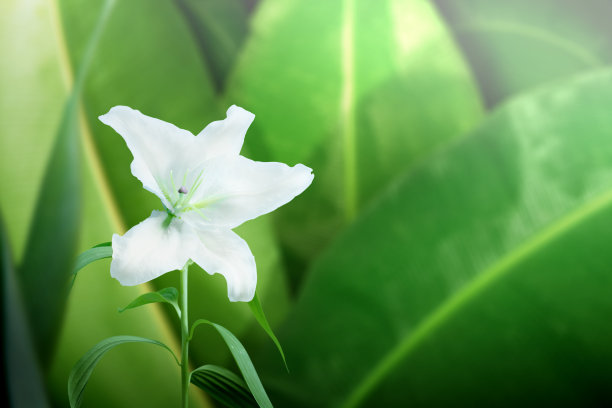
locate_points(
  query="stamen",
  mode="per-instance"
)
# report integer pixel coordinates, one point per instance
(182, 190)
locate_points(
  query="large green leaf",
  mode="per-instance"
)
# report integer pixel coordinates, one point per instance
(24, 384)
(219, 28)
(516, 45)
(357, 90)
(31, 103)
(482, 279)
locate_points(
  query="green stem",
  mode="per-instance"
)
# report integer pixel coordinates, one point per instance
(184, 338)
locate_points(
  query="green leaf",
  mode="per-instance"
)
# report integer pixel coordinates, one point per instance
(242, 360)
(219, 28)
(100, 251)
(24, 379)
(53, 236)
(224, 386)
(356, 90)
(558, 38)
(260, 316)
(166, 295)
(481, 279)
(79, 376)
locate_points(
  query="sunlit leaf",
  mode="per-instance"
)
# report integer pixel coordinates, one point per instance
(224, 386)
(357, 90)
(242, 360)
(79, 376)
(53, 236)
(456, 291)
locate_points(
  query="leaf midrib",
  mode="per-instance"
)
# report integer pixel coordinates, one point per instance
(447, 309)
(347, 108)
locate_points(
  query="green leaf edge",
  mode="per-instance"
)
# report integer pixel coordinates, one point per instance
(95, 253)
(255, 306)
(166, 295)
(242, 360)
(82, 370)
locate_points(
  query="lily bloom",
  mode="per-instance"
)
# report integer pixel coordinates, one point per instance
(207, 189)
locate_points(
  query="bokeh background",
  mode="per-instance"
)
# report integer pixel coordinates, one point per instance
(453, 250)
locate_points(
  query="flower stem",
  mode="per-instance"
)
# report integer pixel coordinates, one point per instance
(184, 338)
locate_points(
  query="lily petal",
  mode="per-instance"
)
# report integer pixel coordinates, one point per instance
(157, 146)
(224, 137)
(223, 251)
(149, 249)
(239, 189)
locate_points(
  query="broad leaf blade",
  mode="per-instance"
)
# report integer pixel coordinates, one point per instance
(53, 235)
(166, 295)
(481, 275)
(223, 385)
(513, 46)
(24, 379)
(260, 316)
(79, 376)
(363, 92)
(242, 360)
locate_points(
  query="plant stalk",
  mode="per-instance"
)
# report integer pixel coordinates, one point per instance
(184, 338)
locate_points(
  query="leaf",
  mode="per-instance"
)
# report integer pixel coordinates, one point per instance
(24, 379)
(224, 386)
(242, 360)
(166, 295)
(53, 235)
(357, 90)
(219, 28)
(481, 279)
(100, 251)
(557, 37)
(260, 316)
(79, 376)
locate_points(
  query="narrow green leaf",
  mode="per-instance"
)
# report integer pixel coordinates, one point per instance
(260, 316)
(223, 385)
(24, 379)
(242, 359)
(100, 251)
(53, 236)
(166, 295)
(82, 370)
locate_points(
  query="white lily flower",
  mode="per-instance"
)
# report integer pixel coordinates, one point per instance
(207, 188)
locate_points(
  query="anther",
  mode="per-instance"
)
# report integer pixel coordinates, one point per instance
(182, 190)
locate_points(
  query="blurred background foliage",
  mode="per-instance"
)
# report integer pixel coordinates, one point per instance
(452, 250)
